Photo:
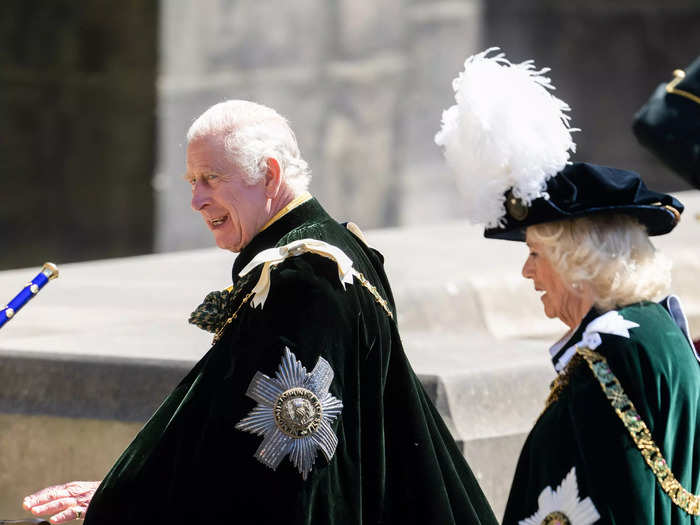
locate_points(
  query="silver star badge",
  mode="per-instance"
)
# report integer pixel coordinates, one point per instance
(294, 413)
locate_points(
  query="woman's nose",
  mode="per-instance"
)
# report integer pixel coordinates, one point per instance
(528, 270)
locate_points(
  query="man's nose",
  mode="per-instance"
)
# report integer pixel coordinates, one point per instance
(200, 197)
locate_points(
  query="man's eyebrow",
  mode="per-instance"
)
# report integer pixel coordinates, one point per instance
(195, 173)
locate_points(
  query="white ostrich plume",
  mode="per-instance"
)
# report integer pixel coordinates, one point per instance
(505, 131)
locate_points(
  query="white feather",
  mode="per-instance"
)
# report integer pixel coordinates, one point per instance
(505, 131)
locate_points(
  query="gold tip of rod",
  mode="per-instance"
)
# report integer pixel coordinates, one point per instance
(50, 270)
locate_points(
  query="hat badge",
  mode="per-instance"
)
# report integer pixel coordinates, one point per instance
(516, 207)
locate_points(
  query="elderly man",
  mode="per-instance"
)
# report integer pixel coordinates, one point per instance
(305, 409)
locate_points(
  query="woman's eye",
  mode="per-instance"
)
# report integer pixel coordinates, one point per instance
(212, 177)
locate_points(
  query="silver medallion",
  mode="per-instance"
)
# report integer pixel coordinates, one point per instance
(293, 414)
(298, 412)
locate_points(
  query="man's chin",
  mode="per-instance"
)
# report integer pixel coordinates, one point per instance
(227, 244)
(549, 312)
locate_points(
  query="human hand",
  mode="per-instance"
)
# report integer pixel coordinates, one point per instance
(66, 502)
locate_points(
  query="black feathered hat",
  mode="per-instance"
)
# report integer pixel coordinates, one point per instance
(583, 189)
(508, 141)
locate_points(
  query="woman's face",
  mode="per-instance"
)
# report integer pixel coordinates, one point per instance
(559, 299)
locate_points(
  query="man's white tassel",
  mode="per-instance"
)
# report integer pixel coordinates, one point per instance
(506, 131)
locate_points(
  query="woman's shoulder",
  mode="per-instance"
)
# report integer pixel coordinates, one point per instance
(656, 350)
(648, 314)
(656, 332)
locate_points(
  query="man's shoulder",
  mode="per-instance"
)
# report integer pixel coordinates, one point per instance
(318, 271)
(327, 230)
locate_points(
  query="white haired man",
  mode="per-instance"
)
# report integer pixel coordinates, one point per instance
(306, 362)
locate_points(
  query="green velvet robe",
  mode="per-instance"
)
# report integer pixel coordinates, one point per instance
(658, 371)
(395, 461)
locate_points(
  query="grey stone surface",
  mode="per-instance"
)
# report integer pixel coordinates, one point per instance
(39, 451)
(364, 85)
(358, 142)
(492, 460)
(365, 28)
(108, 387)
(442, 35)
(358, 81)
(92, 355)
(94, 95)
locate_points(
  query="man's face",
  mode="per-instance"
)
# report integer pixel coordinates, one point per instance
(232, 210)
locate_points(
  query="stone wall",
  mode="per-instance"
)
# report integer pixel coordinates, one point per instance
(96, 98)
(364, 85)
(77, 123)
(359, 82)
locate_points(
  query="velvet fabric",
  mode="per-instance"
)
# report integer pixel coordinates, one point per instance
(669, 125)
(395, 462)
(658, 371)
(584, 189)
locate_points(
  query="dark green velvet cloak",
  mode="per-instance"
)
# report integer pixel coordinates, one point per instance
(659, 373)
(395, 462)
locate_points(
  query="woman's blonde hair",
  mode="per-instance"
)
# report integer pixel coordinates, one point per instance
(612, 253)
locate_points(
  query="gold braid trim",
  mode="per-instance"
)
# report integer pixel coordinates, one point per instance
(562, 381)
(679, 75)
(221, 329)
(640, 433)
(369, 286)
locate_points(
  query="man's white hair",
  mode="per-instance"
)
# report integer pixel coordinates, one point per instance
(252, 134)
(612, 253)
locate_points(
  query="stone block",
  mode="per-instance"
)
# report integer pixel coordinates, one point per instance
(492, 460)
(441, 36)
(200, 38)
(79, 387)
(39, 451)
(358, 143)
(367, 28)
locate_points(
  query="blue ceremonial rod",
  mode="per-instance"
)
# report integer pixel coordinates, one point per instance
(47, 273)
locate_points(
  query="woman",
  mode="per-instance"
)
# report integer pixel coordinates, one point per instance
(618, 440)
(621, 421)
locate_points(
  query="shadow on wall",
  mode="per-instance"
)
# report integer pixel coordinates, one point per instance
(77, 99)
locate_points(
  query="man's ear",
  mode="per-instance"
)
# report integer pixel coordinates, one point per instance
(273, 178)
